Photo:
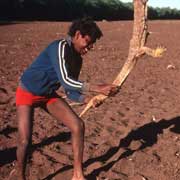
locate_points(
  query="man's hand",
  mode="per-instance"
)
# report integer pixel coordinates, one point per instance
(106, 89)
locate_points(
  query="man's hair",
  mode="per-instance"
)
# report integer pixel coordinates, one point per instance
(86, 26)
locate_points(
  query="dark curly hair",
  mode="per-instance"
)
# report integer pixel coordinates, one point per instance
(86, 26)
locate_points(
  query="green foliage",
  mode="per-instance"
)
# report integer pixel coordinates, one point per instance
(163, 13)
(73, 9)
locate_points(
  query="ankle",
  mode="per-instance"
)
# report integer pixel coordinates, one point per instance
(78, 178)
(78, 174)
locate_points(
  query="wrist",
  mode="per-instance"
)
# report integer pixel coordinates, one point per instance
(86, 87)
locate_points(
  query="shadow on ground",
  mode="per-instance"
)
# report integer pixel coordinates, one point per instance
(147, 133)
(9, 155)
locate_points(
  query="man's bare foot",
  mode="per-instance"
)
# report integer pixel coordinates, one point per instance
(78, 178)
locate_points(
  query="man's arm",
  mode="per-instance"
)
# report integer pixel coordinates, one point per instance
(57, 56)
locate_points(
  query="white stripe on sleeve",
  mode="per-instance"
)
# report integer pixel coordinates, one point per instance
(63, 69)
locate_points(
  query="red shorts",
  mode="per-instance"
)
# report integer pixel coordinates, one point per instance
(23, 97)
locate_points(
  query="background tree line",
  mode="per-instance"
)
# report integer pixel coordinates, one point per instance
(72, 9)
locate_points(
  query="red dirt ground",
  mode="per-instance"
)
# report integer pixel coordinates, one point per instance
(134, 135)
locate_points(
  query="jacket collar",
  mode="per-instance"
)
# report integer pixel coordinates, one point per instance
(69, 40)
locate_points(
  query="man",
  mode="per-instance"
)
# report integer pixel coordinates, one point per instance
(58, 66)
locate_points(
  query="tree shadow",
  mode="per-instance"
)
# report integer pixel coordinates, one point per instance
(147, 134)
(8, 130)
(65, 168)
(9, 155)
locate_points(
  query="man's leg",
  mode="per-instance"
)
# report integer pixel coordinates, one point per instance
(63, 112)
(24, 115)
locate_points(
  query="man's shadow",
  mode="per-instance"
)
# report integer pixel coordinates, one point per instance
(147, 134)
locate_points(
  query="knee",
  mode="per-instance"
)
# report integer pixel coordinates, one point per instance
(79, 127)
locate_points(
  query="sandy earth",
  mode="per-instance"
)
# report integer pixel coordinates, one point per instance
(132, 136)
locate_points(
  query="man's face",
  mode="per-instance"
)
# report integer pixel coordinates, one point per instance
(82, 44)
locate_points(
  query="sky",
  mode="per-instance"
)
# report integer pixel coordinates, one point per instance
(161, 3)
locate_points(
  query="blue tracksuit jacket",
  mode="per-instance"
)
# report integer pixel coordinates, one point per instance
(59, 64)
